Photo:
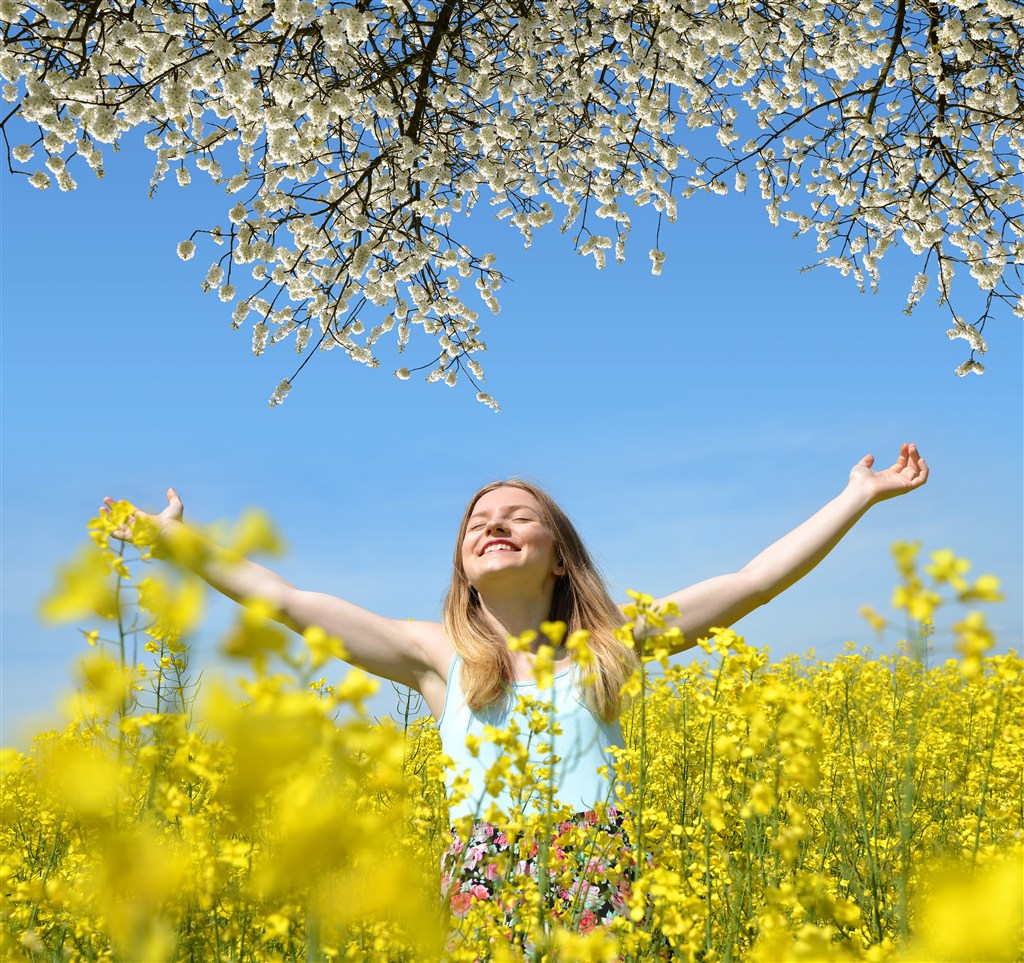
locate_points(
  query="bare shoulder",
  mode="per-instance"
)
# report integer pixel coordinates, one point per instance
(436, 653)
(435, 649)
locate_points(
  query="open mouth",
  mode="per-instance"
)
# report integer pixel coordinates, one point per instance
(492, 547)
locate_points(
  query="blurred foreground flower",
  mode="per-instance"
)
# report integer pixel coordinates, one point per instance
(789, 810)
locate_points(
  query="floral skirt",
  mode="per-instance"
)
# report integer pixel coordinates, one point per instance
(589, 868)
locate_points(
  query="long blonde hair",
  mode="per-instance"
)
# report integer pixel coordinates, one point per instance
(580, 600)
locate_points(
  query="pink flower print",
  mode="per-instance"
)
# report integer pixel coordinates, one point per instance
(533, 849)
(491, 871)
(588, 921)
(501, 839)
(487, 830)
(474, 854)
(592, 817)
(457, 845)
(479, 891)
(461, 903)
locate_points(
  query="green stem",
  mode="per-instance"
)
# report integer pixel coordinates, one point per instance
(872, 865)
(988, 772)
(907, 821)
(710, 755)
(313, 954)
(50, 862)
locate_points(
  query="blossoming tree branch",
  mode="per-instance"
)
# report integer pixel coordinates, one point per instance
(355, 136)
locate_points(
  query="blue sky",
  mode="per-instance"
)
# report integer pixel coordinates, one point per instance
(684, 422)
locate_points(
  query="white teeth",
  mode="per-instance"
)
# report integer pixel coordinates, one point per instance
(498, 547)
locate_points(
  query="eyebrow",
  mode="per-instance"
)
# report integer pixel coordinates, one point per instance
(508, 510)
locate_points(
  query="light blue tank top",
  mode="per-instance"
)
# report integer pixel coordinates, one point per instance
(582, 743)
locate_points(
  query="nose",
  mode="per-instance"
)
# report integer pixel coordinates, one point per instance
(496, 525)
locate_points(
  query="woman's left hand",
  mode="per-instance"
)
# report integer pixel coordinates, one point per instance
(908, 472)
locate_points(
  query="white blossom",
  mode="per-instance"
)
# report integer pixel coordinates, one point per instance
(280, 392)
(970, 334)
(240, 313)
(260, 331)
(969, 367)
(352, 191)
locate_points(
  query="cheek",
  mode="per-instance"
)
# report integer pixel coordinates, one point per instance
(551, 554)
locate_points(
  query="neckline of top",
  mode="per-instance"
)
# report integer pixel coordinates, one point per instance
(557, 675)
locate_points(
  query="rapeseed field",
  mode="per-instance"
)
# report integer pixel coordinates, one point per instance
(865, 807)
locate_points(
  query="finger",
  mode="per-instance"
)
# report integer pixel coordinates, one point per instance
(922, 473)
(867, 461)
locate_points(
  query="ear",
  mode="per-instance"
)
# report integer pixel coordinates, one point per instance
(559, 568)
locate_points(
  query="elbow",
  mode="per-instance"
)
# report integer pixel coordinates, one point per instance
(759, 589)
(753, 592)
(288, 609)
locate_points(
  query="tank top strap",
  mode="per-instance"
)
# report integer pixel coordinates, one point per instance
(453, 666)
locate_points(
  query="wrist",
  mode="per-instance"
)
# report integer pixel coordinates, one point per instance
(176, 541)
(167, 526)
(859, 494)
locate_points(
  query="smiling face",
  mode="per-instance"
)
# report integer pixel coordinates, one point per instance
(507, 537)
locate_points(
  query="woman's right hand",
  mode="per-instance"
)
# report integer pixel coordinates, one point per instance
(171, 514)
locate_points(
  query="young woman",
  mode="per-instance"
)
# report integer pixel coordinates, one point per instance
(518, 563)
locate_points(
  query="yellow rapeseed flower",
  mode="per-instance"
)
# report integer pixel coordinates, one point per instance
(946, 567)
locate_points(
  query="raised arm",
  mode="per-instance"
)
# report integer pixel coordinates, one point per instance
(724, 599)
(405, 651)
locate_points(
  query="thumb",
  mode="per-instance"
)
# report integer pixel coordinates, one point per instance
(172, 497)
(867, 461)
